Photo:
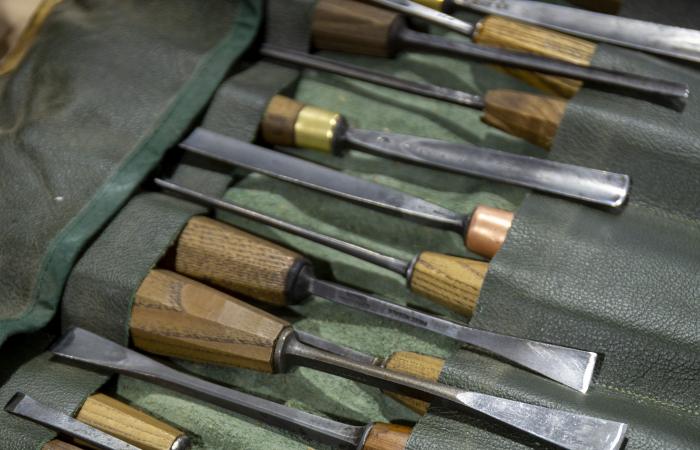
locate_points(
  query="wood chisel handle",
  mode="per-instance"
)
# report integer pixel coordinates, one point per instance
(604, 6)
(226, 257)
(387, 436)
(175, 316)
(420, 366)
(510, 34)
(56, 444)
(130, 425)
(448, 280)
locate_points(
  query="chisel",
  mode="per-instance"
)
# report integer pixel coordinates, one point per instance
(665, 40)
(534, 118)
(236, 261)
(287, 122)
(102, 422)
(348, 26)
(565, 429)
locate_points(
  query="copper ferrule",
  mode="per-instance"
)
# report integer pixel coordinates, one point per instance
(487, 230)
(315, 128)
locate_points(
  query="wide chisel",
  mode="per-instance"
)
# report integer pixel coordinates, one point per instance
(353, 27)
(236, 261)
(287, 122)
(534, 118)
(565, 429)
(666, 40)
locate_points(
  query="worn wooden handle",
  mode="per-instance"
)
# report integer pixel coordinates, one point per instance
(604, 6)
(387, 436)
(173, 315)
(291, 123)
(354, 27)
(55, 444)
(448, 280)
(130, 425)
(226, 257)
(535, 118)
(420, 366)
(513, 35)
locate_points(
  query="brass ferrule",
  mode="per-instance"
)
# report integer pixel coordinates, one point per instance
(434, 4)
(487, 230)
(315, 128)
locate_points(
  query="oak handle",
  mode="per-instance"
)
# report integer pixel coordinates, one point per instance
(291, 123)
(448, 280)
(130, 425)
(56, 444)
(510, 34)
(535, 118)
(226, 257)
(173, 315)
(604, 6)
(354, 27)
(387, 436)
(420, 366)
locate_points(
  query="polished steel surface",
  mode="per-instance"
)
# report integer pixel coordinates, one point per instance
(682, 43)
(24, 406)
(88, 348)
(307, 60)
(429, 14)
(566, 180)
(315, 176)
(562, 428)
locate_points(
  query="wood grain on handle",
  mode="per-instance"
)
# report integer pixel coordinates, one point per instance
(387, 436)
(55, 444)
(226, 257)
(604, 6)
(420, 366)
(128, 424)
(175, 316)
(277, 125)
(354, 27)
(510, 34)
(448, 280)
(535, 118)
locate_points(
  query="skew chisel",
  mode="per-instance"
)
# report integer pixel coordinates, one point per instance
(353, 27)
(231, 259)
(102, 422)
(534, 118)
(568, 430)
(665, 40)
(287, 122)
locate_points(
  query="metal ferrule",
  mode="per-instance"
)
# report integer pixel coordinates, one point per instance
(278, 361)
(315, 128)
(183, 442)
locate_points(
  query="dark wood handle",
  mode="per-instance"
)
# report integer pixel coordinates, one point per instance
(226, 257)
(448, 280)
(604, 6)
(129, 424)
(354, 27)
(513, 35)
(173, 315)
(277, 125)
(387, 436)
(420, 366)
(534, 118)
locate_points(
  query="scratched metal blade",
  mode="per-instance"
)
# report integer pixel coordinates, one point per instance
(417, 10)
(682, 43)
(568, 366)
(590, 185)
(88, 348)
(315, 176)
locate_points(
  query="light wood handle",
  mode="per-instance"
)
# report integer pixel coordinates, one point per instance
(55, 444)
(420, 366)
(353, 27)
(226, 257)
(387, 436)
(173, 315)
(513, 35)
(448, 280)
(130, 425)
(535, 118)
(604, 6)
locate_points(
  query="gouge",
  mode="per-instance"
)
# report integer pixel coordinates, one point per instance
(534, 118)
(197, 323)
(348, 26)
(102, 416)
(287, 122)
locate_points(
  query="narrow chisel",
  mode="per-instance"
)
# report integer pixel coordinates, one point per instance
(353, 27)
(565, 429)
(287, 122)
(665, 40)
(534, 118)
